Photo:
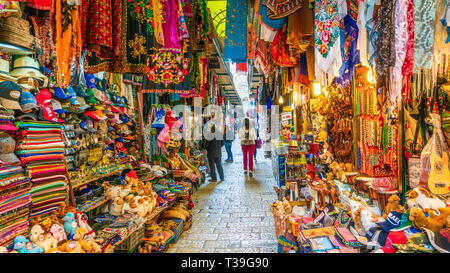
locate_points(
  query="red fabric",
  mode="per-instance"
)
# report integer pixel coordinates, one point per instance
(280, 50)
(251, 42)
(394, 237)
(241, 67)
(408, 64)
(248, 151)
(40, 4)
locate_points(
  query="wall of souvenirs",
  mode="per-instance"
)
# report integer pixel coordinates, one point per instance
(91, 156)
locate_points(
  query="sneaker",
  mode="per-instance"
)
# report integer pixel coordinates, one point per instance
(212, 180)
(251, 174)
(228, 161)
(246, 172)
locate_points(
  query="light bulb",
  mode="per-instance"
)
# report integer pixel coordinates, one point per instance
(280, 100)
(370, 77)
(316, 88)
(295, 96)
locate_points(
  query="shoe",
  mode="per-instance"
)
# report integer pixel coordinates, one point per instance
(212, 180)
(251, 174)
(246, 172)
(228, 161)
(221, 180)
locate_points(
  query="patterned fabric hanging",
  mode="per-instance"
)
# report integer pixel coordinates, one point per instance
(326, 21)
(280, 50)
(281, 8)
(251, 42)
(408, 64)
(349, 39)
(261, 11)
(385, 53)
(236, 31)
(424, 25)
(167, 72)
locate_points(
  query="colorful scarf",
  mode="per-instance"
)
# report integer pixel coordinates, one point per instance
(326, 21)
(281, 8)
(424, 25)
(236, 31)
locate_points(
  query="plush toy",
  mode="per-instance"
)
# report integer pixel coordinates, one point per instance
(70, 225)
(70, 247)
(87, 246)
(419, 220)
(57, 231)
(441, 215)
(116, 206)
(393, 204)
(82, 223)
(3, 249)
(137, 206)
(357, 220)
(41, 239)
(420, 197)
(23, 245)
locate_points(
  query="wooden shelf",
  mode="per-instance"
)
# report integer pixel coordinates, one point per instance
(96, 178)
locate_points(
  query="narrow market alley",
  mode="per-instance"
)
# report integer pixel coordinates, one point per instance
(233, 216)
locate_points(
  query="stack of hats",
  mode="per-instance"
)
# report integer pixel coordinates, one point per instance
(41, 149)
(15, 196)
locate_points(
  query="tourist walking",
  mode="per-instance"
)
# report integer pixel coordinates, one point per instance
(247, 136)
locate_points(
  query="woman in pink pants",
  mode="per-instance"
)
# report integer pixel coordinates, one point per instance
(247, 135)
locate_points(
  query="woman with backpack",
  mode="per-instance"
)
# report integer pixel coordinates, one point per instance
(247, 135)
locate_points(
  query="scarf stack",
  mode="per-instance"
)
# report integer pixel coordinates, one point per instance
(15, 201)
(41, 150)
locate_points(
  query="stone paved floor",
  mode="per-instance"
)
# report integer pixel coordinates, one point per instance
(233, 216)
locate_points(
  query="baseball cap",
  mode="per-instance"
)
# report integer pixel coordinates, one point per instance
(90, 80)
(56, 106)
(440, 240)
(49, 114)
(44, 97)
(73, 96)
(27, 101)
(101, 96)
(82, 103)
(7, 147)
(80, 91)
(404, 223)
(10, 95)
(27, 116)
(118, 101)
(377, 235)
(393, 220)
(61, 93)
(91, 98)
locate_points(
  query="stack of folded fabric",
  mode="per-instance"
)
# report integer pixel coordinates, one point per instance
(15, 199)
(41, 150)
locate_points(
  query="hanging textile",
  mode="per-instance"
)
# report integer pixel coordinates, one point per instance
(327, 21)
(236, 31)
(300, 29)
(401, 47)
(361, 45)
(242, 67)
(280, 50)
(41, 28)
(158, 10)
(281, 8)
(445, 20)
(385, 40)
(424, 26)
(66, 34)
(100, 27)
(173, 29)
(261, 11)
(261, 57)
(408, 64)
(369, 23)
(251, 42)
(167, 73)
(349, 38)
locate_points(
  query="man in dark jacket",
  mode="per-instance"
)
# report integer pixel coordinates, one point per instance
(214, 154)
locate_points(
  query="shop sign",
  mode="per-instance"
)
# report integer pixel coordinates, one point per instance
(286, 116)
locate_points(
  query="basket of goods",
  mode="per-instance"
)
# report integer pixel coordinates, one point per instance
(132, 240)
(297, 221)
(16, 31)
(279, 210)
(176, 225)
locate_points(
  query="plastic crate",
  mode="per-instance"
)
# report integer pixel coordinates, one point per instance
(178, 230)
(132, 241)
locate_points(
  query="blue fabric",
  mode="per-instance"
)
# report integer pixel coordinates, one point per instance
(273, 24)
(90, 80)
(236, 31)
(351, 57)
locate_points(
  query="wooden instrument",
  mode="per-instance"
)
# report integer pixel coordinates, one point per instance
(439, 178)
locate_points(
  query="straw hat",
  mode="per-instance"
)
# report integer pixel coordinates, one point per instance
(4, 71)
(27, 67)
(16, 31)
